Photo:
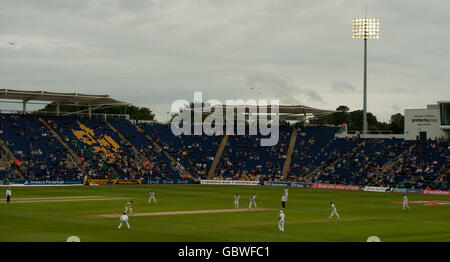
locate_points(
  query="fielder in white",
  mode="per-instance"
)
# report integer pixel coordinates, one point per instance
(405, 202)
(128, 207)
(236, 200)
(286, 193)
(152, 197)
(124, 219)
(333, 211)
(281, 221)
(252, 201)
(8, 195)
(283, 201)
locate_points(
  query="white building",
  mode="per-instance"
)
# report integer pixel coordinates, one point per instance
(429, 123)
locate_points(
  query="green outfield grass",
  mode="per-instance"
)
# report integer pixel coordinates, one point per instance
(362, 214)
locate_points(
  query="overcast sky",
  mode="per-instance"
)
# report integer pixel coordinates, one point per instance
(151, 53)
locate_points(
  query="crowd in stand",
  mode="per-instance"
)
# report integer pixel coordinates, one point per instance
(38, 154)
(317, 154)
(419, 164)
(116, 161)
(244, 158)
(426, 165)
(195, 153)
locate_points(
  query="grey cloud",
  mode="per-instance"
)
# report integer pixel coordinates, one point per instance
(280, 86)
(153, 52)
(343, 86)
(396, 108)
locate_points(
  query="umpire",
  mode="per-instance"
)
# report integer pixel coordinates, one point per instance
(8, 195)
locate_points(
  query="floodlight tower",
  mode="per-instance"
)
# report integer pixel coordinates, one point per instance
(365, 28)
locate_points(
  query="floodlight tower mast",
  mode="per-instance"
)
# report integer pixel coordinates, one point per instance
(365, 28)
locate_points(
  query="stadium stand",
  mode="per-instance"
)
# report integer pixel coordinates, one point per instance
(159, 165)
(358, 165)
(425, 165)
(105, 155)
(119, 148)
(38, 154)
(313, 145)
(193, 152)
(244, 158)
(6, 172)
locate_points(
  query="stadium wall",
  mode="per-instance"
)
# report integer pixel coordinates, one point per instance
(423, 120)
(378, 136)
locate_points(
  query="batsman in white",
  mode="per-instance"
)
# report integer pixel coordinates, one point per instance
(128, 207)
(124, 219)
(405, 202)
(236, 200)
(333, 211)
(281, 221)
(152, 196)
(252, 201)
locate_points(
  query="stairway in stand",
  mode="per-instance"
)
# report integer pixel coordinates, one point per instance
(219, 152)
(287, 162)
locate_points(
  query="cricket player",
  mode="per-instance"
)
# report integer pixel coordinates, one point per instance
(405, 202)
(128, 207)
(252, 201)
(8, 195)
(333, 211)
(286, 193)
(236, 200)
(281, 221)
(124, 219)
(152, 196)
(283, 200)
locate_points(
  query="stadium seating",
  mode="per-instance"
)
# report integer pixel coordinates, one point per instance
(161, 165)
(425, 165)
(193, 152)
(312, 148)
(317, 154)
(105, 155)
(6, 173)
(356, 165)
(245, 158)
(40, 155)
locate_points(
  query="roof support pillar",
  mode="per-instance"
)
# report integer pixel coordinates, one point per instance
(24, 106)
(57, 109)
(90, 111)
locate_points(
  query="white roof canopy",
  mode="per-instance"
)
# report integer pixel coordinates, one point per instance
(74, 98)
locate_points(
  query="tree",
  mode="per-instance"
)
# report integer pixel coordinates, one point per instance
(355, 121)
(343, 109)
(337, 118)
(341, 115)
(397, 123)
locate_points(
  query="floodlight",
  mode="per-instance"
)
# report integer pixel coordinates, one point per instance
(365, 28)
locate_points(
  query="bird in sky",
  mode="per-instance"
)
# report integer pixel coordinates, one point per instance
(11, 43)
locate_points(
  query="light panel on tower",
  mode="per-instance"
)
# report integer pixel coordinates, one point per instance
(366, 28)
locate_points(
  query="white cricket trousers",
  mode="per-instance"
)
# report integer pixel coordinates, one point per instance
(128, 208)
(405, 204)
(334, 212)
(150, 199)
(252, 201)
(281, 225)
(121, 222)
(236, 204)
